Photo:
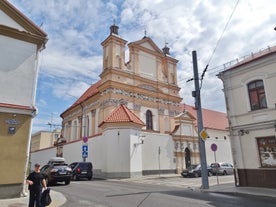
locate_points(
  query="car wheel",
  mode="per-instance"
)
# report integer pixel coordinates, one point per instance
(67, 182)
(89, 178)
(196, 175)
(210, 173)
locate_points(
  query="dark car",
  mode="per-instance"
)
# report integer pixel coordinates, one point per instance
(222, 168)
(81, 170)
(57, 170)
(195, 171)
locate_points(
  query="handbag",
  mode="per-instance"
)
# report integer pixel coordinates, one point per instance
(46, 198)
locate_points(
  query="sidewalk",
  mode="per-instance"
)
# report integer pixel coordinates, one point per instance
(57, 200)
(230, 188)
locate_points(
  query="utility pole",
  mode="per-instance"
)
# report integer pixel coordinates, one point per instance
(201, 142)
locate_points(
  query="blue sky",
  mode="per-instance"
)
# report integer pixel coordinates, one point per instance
(72, 60)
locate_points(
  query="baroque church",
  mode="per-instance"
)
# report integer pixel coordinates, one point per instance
(132, 121)
(146, 84)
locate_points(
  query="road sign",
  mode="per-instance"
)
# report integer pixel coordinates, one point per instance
(84, 151)
(85, 139)
(203, 134)
(84, 154)
(84, 148)
(214, 147)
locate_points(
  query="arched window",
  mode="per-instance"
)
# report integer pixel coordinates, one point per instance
(257, 95)
(149, 120)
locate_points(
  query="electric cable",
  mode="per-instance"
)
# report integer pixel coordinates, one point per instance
(215, 48)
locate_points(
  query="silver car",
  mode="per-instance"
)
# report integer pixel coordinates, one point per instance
(222, 168)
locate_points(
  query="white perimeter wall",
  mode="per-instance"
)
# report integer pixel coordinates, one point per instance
(118, 156)
(150, 155)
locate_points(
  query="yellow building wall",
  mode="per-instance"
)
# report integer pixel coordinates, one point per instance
(13, 147)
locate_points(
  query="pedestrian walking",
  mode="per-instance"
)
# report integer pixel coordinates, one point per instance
(36, 182)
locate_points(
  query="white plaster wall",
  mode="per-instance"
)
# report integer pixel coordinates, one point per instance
(73, 152)
(6, 20)
(222, 140)
(135, 151)
(117, 150)
(42, 156)
(223, 153)
(18, 71)
(150, 154)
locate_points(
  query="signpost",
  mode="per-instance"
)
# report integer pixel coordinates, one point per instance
(214, 148)
(84, 148)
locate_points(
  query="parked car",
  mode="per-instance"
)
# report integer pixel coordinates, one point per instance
(195, 171)
(81, 170)
(57, 170)
(222, 168)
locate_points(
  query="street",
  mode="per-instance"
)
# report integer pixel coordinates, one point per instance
(151, 192)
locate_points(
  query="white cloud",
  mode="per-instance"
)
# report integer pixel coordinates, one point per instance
(73, 56)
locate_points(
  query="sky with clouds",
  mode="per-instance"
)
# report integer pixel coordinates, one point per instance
(220, 31)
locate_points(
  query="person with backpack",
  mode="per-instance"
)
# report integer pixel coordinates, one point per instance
(35, 182)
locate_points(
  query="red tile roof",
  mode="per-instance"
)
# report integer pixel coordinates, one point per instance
(122, 114)
(92, 90)
(211, 119)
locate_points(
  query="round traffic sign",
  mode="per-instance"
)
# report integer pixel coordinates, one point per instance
(214, 147)
(85, 139)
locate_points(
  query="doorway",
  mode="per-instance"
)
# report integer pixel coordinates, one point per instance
(187, 157)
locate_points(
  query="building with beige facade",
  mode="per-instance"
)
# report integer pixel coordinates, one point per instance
(21, 42)
(44, 139)
(249, 88)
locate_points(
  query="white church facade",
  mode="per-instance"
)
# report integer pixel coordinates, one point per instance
(132, 120)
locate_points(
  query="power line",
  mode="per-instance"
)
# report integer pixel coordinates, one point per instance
(211, 57)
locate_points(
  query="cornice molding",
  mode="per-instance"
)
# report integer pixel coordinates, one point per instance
(23, 36)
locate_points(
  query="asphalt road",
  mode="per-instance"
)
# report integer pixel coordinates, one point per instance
(129, 193)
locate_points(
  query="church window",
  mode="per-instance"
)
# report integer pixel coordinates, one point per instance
(149, 125)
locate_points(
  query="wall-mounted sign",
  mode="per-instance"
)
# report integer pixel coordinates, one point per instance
(11, 130)
(12, 121)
